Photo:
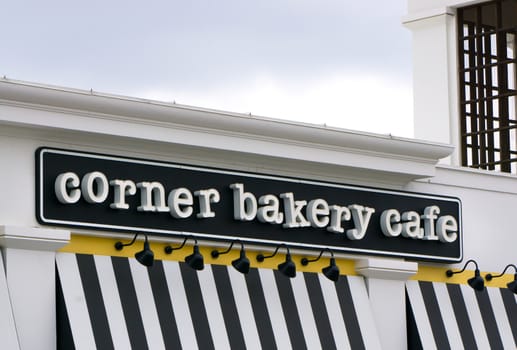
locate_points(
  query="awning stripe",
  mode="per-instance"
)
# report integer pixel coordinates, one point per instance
(489, 321)
(460, 310)
(65, 340)
(111, 297)
(349, 314)
(319, 311)
(503, 324)
(418, 308)
(337, 321)
(232, 320)
(434, 314)
(197, 307)
(363, 312)
(147, 305)
(303, 303)
(274, 307)
(244, 309)
(213, 308)
(448, 316)
(75, 301)
(165, 310)
(260, 311)
(476, 320)
(510, 304)
(129, 301)
(173, 306)
(290, 311)
(96, 309)
(180, 304)
(459, 317)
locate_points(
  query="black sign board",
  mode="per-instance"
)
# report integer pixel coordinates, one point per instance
(112, 193)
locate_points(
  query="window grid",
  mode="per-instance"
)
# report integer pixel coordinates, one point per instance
(488, 91)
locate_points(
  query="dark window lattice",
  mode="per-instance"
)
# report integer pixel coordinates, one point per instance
(488, 91)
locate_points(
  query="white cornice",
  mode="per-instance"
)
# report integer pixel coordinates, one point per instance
(33, 238)
(98, 113)
(429, 13)
(388, 269)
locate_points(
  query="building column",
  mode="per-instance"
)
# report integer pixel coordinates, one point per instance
(29, 259)
(385, 282)
(435, 75)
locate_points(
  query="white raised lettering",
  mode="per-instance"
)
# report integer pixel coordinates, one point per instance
(152, 192)
(318, 212)
(390, 223)
(447, 229)
(122, 189)
(338, 214)
(180, 202)
(64, 182)
(270, 210)
(411, 226)
(361, 217)
(293, 212)
(99, 180)
(206, 197)
(429, 217)
(244, 203)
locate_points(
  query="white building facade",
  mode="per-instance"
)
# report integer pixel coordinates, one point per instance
(82, 171)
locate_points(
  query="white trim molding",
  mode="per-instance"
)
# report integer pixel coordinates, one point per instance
(386, 268)
(68, 111)
(32, 238)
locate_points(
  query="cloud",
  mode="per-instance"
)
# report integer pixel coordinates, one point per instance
(337, 62)
(126, 40)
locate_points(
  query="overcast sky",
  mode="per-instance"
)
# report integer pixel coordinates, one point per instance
(341, 63)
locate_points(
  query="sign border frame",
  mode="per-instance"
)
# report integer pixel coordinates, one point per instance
(118, 228)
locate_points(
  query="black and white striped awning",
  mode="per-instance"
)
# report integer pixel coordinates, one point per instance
(453, 316)
(116, 303)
